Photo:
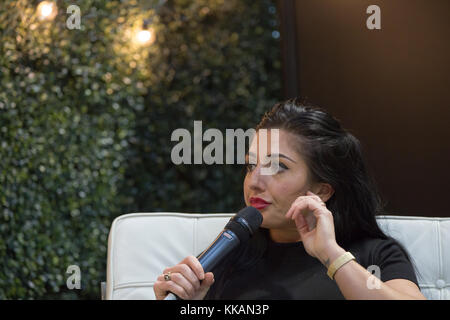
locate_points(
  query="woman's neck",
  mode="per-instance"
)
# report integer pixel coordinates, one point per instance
(284, 235)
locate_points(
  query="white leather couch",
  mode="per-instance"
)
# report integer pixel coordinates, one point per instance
(141, 245)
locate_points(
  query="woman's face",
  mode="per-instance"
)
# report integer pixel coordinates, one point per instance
(273, 194)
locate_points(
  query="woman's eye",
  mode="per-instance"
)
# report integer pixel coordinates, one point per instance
(249, 167)
(281, 167)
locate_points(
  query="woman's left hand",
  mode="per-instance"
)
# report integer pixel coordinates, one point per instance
(319, 240)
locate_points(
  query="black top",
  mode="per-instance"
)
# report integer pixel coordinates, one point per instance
(287, 271)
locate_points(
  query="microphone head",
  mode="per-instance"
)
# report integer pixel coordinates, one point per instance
(245, 223)
(252, 216)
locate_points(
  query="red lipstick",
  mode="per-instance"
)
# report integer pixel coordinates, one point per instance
(258, 203)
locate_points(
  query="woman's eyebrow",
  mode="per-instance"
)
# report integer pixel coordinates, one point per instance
(280, 155)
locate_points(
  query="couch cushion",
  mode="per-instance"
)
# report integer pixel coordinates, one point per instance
(141, 245)
(427, 240)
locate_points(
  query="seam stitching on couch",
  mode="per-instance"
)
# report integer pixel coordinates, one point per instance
(389, 217)
(439, 256)
(134, 284)
(113, 259)
(195, 237)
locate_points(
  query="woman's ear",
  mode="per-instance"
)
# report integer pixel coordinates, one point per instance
(323, 190)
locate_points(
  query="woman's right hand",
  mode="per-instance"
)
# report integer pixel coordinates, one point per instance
(188, 281)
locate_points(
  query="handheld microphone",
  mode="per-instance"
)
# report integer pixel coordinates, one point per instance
(237, 231)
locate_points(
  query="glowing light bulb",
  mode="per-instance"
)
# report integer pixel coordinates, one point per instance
(46, 10)
(144, 36)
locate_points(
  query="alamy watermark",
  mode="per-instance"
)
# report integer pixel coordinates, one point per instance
(374, 282)
(374, 20)
(73, 281)
(213, 153)
(74, 20)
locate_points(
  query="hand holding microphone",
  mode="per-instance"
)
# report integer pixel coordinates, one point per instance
(191, 278)
(187, 280)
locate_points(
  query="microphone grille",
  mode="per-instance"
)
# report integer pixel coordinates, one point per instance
(244, 229)
(252, 217)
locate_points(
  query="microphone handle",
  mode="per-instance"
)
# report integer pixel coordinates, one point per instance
(215, 253)
(226, 242)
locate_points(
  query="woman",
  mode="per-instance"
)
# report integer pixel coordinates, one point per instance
(319, 235)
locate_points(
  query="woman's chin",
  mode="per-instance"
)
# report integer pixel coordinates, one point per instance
(266, 223)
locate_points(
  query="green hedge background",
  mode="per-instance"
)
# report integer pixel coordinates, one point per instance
(86, 118)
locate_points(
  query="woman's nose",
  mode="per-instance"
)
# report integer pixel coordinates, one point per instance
(256, 179)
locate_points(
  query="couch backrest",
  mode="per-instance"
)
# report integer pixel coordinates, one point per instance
(141, 245)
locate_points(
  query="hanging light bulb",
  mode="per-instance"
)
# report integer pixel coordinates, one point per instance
(145, 35)
(47, 10)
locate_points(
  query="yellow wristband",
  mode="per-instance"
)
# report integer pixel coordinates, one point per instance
(339, 262)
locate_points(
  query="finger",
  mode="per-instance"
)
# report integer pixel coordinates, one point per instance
(160, 278)
(323, 213)
(170, 286)
(308, 197)
(294, 204)
(314, 204)
(302, 225)
(305, 207)
(288, 214)
(297, 208)
(314, 196)
(302, 205)
(196, 266)
(188, 273)
(208, 281)
(298, 202)
(295, 212)
(180, 280)
(160, 292)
